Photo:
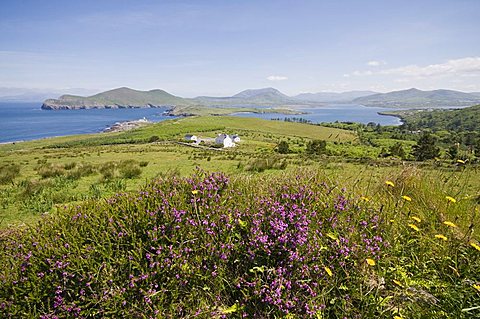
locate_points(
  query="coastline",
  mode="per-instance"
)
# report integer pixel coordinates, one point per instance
(126, 125)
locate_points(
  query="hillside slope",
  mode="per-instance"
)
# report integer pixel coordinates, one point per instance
(117, 98)
(458, 120)
(419, 98)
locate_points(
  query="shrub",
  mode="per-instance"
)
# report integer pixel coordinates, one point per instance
(107, 170)
(51, 170)
(129, 169)
(295, 245)
(8, 173)
(69, 166)
(316, 147)
(283, 148)
(153, 138)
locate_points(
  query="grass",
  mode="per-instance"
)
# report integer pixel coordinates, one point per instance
(94, 161)
(127, 225)
(303, 243)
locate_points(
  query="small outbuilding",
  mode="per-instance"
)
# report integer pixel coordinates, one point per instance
(225, 140)
(190, 137)
(235, 138)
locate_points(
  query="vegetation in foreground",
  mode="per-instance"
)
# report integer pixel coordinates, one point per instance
(298, 245)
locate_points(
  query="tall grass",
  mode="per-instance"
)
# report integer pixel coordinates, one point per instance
(295, 245)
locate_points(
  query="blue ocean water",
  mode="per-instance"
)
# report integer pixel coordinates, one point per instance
(26, 121)
(336, 112)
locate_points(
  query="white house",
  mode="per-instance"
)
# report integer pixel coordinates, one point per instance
(225, 140)
(190, 137)
(235, 138)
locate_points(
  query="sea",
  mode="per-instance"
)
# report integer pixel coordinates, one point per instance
(27, 121)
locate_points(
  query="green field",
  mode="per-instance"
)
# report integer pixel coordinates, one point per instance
(134, 224)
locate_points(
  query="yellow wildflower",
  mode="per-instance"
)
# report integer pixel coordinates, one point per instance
(477, 287)
(370, 261)
(398, 283)
(392, 220)
(328, 271)
(439, 236)
(195, 192)
(450, 199)
(414, 227)
(390, 183)
(449, 224)
(397, 317)
(460, 161)
(407, 198)
(474, 245)
(415, 218)
(365, 199)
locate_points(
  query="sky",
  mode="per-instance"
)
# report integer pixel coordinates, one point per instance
(219, 48)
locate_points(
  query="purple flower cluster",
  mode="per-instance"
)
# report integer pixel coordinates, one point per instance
(192, 246)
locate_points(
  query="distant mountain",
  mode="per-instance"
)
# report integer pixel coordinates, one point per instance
(333, 96)
(413, 98)
(117, 98)
(36, 95)
(265, 96)
(475, 94)
(262, 93)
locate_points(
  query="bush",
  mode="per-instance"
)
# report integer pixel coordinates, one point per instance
(153, 138)
(316, 147)
(283, 148)
(129, 169)
(295, 245)
(8, 173)
(51, 170)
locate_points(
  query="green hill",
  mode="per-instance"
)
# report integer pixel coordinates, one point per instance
(417, 98)
(117, 98)
(457, 120)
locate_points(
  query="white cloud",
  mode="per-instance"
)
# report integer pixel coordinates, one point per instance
(276, 78)
(376, 63)
(469, 66)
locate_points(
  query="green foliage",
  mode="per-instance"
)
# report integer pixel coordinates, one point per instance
(397, 150)
(8, 173)
(130, 169)
(452, 151)
(316, 147)
(262, 164)
(294, 245)
(153, 139)
(426, 148)
(283, 147)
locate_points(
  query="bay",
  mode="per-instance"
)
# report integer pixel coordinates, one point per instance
(335, 112)
(27, 121)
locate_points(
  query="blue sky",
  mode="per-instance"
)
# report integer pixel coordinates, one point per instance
(194, 48)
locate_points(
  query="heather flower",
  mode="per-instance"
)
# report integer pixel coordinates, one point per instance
(450, 224)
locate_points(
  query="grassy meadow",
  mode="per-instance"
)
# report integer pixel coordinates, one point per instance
(140, 224)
